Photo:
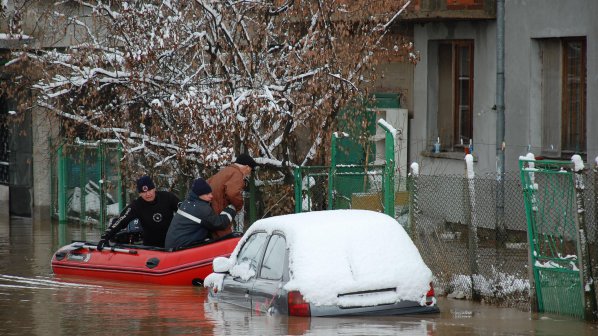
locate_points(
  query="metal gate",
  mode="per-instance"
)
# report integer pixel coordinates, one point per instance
(349, 186)
(552, 212)
(341, 187)
(87, 184)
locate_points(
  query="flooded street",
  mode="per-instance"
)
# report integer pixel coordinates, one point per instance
(34, 302)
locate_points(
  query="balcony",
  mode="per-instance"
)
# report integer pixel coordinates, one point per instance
(443, 10)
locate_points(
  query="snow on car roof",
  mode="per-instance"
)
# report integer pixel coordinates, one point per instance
(344, 251)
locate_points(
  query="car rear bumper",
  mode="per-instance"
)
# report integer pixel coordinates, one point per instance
(401, 308)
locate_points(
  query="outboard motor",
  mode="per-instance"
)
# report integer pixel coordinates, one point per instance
(131, 234)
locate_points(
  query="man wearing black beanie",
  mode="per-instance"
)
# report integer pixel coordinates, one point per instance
(195, 218)
(154, 209)
(228, 184)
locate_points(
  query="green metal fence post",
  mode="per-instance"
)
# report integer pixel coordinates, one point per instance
(298, 189)
(62, 234)
(332, 171)
(82, 180)
(389, 181)
(119, 193)
(252, 193)
(101, 184)
(528, 187)
(52, 186)
(61, 187)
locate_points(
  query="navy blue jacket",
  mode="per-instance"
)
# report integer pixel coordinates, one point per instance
(193, 223)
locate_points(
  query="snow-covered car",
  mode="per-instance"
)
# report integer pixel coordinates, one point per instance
(325, 263)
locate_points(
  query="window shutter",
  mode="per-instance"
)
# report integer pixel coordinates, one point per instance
(550, 53)
(445, 96)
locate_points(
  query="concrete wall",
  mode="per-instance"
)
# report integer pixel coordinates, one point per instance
(44, 128)
(423, 125)
(527, 20)
(396, 77)
(4, 202)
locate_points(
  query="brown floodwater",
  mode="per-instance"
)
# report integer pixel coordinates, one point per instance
(35, 302)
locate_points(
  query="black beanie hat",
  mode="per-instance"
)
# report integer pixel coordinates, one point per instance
(201, 187)
(246, 160)
(145, 183)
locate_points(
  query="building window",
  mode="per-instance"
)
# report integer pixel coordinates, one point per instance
(573, 134)
(563, 92)
(455, 93)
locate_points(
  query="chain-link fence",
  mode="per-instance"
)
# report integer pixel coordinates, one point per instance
(349, 187)
(462, 239)
(472, 233)
(455, 223)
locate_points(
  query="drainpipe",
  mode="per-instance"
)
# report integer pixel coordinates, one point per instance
(500, 120)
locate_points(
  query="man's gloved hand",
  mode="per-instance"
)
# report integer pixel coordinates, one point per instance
(230, 212)
(103, 243)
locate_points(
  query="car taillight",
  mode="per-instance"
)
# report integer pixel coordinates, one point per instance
(297, 305)
(430, 296)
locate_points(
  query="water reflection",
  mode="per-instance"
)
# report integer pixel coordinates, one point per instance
(66, 305)
(148, 309)
(34, 302)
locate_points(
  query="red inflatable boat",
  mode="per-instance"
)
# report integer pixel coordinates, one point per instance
(188, 266)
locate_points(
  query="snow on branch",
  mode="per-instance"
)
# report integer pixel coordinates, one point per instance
(183, 82)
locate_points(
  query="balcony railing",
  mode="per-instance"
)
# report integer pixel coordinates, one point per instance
(437, 10)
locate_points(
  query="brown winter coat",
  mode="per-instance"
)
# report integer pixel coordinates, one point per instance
(227, 187)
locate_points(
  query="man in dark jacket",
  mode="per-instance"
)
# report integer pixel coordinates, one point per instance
(195, 218)
(228, 185)
(154, 210)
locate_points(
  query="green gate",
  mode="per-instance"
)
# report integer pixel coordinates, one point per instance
(341, 187)
(553, 216)
(86, 182)
(349, 186)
